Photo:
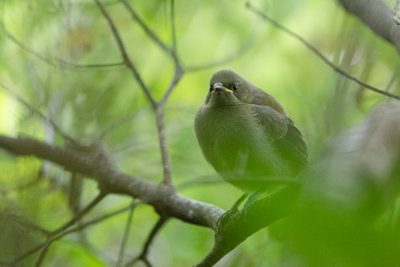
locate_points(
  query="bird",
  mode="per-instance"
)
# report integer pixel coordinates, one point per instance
(245, 134)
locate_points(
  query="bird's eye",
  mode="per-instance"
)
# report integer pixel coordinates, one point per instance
(211, 88)
(235, 86)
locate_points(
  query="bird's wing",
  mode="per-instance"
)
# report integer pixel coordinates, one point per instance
(287, 139)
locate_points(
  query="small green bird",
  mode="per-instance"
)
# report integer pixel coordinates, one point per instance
(245, 135)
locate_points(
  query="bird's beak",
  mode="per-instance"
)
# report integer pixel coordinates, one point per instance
(220, 86)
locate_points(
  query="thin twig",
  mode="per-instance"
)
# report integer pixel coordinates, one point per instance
(146, 29)
(34, 110)
(315, 51)
(25, 223)
(55, 61)
(95, 201)
(236, 54)
(177, 76)
(152, 35)
(173, 31)
(82, 212)
(117, 124)
(166, 164)
(125, 238)
(127, 61)
(395, 76)
(77, 228)
(167, 175)
(99, 219)
(64, 63)
(143, 255)
(42, 254)
(179, 71)
(167, 180)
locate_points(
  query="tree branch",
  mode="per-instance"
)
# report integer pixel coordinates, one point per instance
(152, 35)
(34, 110)
(125, 237)
(143, 255)
(245, 46)
(62, 228)
(56, 236)
(55, 61)
(315, 51)
(158, 107)
(95, 163)
(254, 216)
(127, 61)
(377, 16)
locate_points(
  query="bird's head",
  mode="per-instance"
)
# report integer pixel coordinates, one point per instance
(227, 88)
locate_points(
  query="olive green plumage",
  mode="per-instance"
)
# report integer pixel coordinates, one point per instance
(245, 134)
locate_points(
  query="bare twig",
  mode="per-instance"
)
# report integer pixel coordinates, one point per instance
(167, 177)
(152, 35)
(45, 245)
(34, 110)
(166, 164)
(55, 61)
(143, 255)
(97, 165)
(82, 212)
(62, 228)
(117, 124)
(24, 222)
(100, 219)
(127, 61)
(125, 237)
(91, 222)
(42, 254)
(177, 76)
(316, 52)
(225, 60)
(146, 29)
(173, 31)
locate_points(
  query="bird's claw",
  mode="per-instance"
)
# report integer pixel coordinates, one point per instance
(224, 218)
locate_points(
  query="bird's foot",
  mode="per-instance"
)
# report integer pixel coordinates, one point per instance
(224, 218)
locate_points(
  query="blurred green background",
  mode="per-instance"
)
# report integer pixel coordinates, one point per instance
(86, 101)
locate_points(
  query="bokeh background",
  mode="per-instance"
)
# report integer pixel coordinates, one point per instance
(84, 102)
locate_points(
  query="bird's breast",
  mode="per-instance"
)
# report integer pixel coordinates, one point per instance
(226, 136)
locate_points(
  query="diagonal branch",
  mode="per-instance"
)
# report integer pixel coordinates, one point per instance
(55, 61)
(34, 110)
(377, 16)
(125, 237)
(127, 61)
(143, 255)
(167, 177)
(316, 52)
(244, 47)
(81, 213)
(96, 164)
(146, 29)
(44, 246)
